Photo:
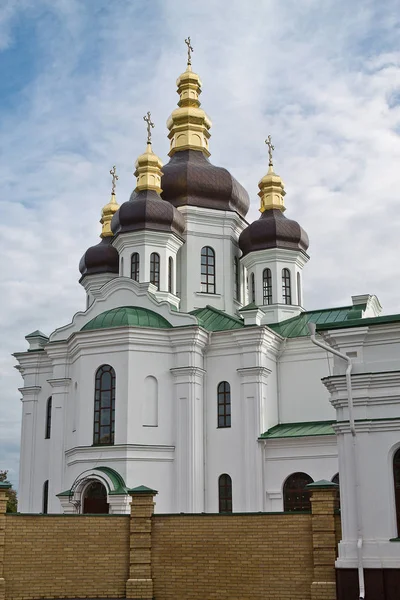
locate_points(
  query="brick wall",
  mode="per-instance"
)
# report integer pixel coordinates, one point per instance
(237, 557)
(66, 556)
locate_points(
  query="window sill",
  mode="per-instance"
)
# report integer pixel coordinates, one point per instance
(224, 426)
(208, 294)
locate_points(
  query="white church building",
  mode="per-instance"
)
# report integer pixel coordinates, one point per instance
(192, 370)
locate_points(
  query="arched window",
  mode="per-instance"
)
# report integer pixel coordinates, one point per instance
(298, 289)
(135, 261)
(267, 286)
(208, 270)
(225, 493)
(224, 404)
(95, 499)
(236, 278)
(253, 288)
(335, 479)
(155, 269)
(171, 275)
(122, 265)
(396, 477)
(104, 406)
(296, 498)
(286, 287)
(48, 418)
(45, 502)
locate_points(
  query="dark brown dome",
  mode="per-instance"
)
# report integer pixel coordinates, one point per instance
(146, 210)
(190, 179)
(102, 258)
(273, 230)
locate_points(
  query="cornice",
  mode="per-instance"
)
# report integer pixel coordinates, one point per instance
(129, 452)
(258, 374)
(368, 425)
(30, 393)
(188, 374)
(60, 382)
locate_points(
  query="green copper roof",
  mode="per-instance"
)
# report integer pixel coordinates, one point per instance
(361, 322)
(288, 430)
(142, 489)
(127, 316)
(297, 326)
(213, 319)
(36, 333)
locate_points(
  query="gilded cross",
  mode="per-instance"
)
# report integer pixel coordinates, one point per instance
(268, 141)
(190, 50)
(115, 178)
(150, 124)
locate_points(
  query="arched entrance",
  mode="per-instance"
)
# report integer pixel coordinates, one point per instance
(95, 499)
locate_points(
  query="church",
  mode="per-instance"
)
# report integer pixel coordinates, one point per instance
(192, 370)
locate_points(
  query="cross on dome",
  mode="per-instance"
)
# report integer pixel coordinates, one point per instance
(189, 50)
(271, 148)
(150, 125)
(115, 178)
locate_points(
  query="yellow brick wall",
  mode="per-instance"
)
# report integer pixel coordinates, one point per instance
(238, 557)
(338, 529)
(66, 556)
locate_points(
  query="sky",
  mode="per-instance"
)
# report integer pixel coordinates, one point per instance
(77, 76)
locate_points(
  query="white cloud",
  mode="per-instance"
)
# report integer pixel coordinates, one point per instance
(322, 78)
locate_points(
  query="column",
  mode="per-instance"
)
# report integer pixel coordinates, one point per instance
(323, 496)
(4, 486)
(252, 394)
(28, 431)
(140, 582)
(60, 389)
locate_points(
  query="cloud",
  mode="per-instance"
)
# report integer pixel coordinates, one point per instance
(322, 78)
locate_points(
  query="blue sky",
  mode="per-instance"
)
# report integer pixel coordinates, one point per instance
(77, 76)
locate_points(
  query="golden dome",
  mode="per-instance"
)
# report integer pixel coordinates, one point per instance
(272, 188)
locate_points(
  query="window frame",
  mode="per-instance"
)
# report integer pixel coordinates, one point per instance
(45, 498)
(49, 406)
(286, 286)
(396, 485)
(224, 416)
(99, 409)
(253, 287)
(225, 503)
(236, 278)
(208, 263)
(155, 269)
(267, 286)
(170, 275)
(135, 266)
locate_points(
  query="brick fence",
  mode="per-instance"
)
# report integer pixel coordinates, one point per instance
(274, 556)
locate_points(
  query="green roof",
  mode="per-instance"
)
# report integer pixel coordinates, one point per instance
(361, 322)
(213, 319)
(142, 489)
(127, 316)
(297, 326)
(36, 333)
(290, 430)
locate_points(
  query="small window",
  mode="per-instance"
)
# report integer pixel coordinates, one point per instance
(135, 261)
(155, 269)
(104, 406)
(253, 288)
(224, 404)
(286, 287)
(296, 498)
(208, 270)
(267, 286)
(299, 289)
(225, 494)
(396, 477)
(48, 418)
(236, 278)
(170, 275)
(45, 502)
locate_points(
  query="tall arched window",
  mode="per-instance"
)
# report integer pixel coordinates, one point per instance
(48, 418)
(267, 286)
(45, 501)
(236, 278)
(135, 261)
(396, 477)
(296, 498)
(171, 275)
(155, 269)
(224, 494)
(335, 479)
(253, 288)
(299, 289)
(104, 406)
(208, 270)
(224, 404)
(286, 287)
